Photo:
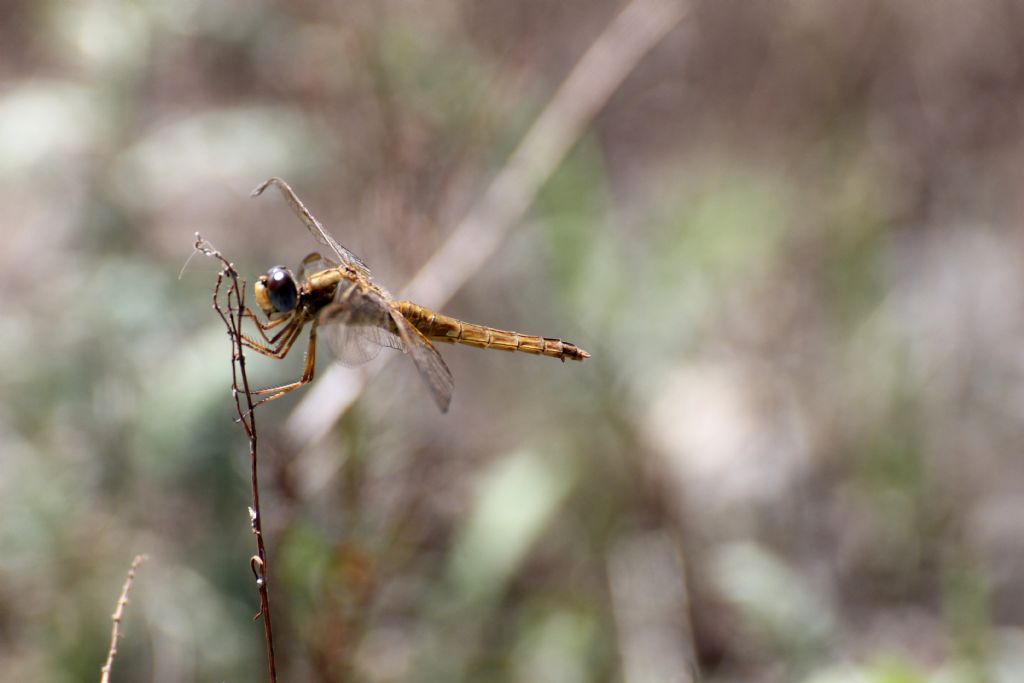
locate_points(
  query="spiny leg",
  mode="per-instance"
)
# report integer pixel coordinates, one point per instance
(306, 378)
(287, 338)
(262, 327)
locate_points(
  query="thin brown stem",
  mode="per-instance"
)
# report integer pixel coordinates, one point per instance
(118, 615)
(232, 312)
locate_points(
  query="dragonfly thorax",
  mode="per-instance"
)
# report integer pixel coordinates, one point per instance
(276, 292)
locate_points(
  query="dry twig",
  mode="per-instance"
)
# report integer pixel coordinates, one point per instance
(232, 311)
(115, 634)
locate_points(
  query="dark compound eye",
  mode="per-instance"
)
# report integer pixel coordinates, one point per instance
(281, 290)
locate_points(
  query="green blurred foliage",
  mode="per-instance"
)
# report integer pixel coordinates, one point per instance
(787, 241)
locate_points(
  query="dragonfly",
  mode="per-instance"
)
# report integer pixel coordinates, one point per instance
(335, 295)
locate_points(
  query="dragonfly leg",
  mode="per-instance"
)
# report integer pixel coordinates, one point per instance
(275, 348)
(306, 378)
(263, 327)
(272, 343)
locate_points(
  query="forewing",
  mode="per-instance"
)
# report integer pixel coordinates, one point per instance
(431, 366)
(344, 254)
(313, 225)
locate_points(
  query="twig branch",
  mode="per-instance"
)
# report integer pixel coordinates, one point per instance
(630, 36)
(115, 633)
(232, 311)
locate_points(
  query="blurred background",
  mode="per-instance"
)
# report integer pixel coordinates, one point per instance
(790, 239)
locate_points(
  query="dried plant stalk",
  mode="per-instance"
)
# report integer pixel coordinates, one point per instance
(115, 634)
(230, 306)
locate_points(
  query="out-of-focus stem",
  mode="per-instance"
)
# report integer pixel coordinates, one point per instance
(630, 36)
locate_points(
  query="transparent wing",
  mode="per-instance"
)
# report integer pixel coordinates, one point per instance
(312, 224)
(354, 344)
(357, 325)
(356, 332)
(314, 263)
(431, 366)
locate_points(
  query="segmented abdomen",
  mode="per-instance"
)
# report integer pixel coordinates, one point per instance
(440, 327)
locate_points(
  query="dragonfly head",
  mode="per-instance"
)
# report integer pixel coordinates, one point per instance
(276, 292)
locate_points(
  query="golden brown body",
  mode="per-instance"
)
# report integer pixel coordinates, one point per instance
(440, 327)
(359, 317)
